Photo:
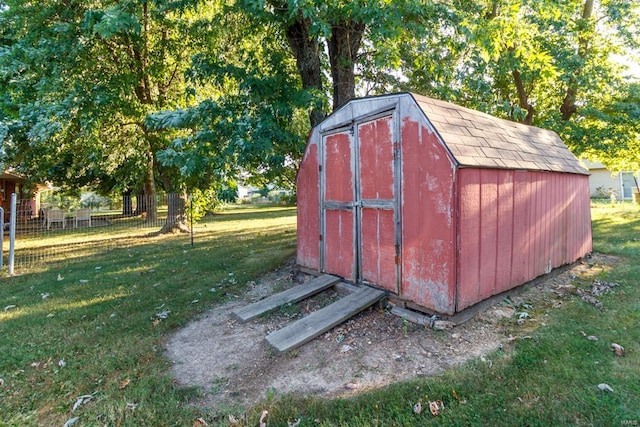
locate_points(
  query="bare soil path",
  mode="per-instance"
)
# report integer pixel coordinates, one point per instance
(233, 365)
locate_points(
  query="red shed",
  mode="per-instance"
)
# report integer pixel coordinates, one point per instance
(439, 204)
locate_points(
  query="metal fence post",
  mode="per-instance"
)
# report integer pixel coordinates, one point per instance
(1, 237)
(12, 232)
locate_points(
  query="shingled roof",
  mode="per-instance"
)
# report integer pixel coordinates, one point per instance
(477, 139)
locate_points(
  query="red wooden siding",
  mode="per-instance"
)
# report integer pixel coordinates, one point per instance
(428, 241)
(378, 248)
(377, 193)
(308, 252)
(376, 160)
(339, 222)
(515, 226)
(339, 244)
(339, 185)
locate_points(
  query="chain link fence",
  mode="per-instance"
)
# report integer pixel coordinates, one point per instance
(57, 234)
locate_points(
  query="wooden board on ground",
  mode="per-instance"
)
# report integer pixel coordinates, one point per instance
(307, 328)
(291, 295)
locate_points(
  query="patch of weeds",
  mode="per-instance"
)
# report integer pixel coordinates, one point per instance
(218, 385)
(270, 394)
(289, 310)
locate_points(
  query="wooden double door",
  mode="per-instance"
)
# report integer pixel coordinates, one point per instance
(359, 202)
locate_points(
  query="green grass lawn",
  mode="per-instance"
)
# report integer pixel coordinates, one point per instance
(96, 314)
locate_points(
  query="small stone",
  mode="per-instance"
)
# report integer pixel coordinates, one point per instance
(442, 325)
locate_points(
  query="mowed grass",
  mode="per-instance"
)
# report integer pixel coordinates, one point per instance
(99, 317)
(89, 325)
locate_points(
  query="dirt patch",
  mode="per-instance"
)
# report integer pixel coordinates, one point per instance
(233, 365)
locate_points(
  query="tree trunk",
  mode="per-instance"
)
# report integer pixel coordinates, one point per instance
(176, 214)
(344, 43)
(306, 49)
(569, 107)
(523, 98)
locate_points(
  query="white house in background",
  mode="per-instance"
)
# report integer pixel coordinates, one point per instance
(603, 182)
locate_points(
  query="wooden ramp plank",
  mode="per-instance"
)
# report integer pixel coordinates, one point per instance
(307, 328)
(291, 295)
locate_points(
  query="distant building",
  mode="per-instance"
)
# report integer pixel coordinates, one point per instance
(603, 182)
(27, 207)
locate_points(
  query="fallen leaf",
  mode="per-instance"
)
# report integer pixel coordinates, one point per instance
(352, 386)
(199, 422)
(346, 348)
(124, 383)
(617, 349)
(455, 395)
(435, 407)
(9, 307)
(156, 322)
(45, 295)
(233, 420)
(605, 387)
(163, 314)
(35, 364)
(592, 338)
(62, 363)
(83, 281)
(417, 408)
(294, 423)
(98, 267)
(85, 398)
(71, 421)
(60, 278)
(263, 418)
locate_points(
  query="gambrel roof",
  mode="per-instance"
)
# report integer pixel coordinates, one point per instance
(477, 139)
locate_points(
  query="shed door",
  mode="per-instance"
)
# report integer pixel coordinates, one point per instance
(360, 204)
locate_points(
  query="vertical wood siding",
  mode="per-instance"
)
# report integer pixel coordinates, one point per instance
(377, 193)
(428, 239)
(339, 244)
(339, 223)
(515, 226)
(308, 252)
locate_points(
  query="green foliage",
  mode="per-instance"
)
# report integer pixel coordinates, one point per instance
(257, 121)
(203, 202)
(78, 82)
(523, 61)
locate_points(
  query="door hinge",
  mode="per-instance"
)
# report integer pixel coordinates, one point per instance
(319, 168)
(320, 237)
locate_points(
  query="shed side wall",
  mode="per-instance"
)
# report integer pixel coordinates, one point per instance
(428, 229)
(308, 253)
(517, 225)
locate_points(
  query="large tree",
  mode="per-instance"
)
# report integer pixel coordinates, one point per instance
(545, 63)
(80, 79)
